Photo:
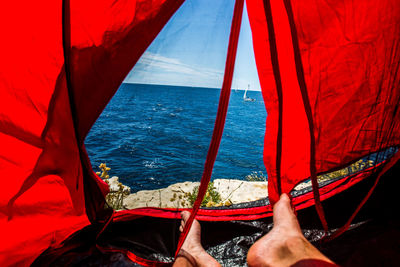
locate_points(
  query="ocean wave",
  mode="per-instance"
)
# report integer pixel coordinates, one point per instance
(154, 135)
(156, 164)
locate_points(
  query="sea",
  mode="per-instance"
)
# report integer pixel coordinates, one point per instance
(152, 136)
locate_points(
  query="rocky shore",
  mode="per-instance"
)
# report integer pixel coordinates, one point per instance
(175, 196)
(231, 191)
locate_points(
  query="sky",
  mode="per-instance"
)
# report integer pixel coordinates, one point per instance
(191, 49)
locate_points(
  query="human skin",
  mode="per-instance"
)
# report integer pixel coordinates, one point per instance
(284, 245)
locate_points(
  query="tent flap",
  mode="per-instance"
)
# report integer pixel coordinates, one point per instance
(46, 110)
(349, 51)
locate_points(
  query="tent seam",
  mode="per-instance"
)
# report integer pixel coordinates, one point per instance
(308, 111)
(278, 83)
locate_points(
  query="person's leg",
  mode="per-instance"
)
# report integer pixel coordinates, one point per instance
(285, 244)
(192, 252)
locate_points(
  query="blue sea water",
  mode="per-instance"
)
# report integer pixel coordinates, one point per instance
(155, 135)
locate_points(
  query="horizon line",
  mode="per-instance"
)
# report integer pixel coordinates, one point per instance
(188, 86)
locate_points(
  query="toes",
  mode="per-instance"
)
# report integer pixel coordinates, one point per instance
(283, 208)
(284, 198)
(185, 215)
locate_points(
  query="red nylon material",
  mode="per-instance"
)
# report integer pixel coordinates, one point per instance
(135, 258)
(350, 54)
(300, 202)
(334, 188)
(278, 82)
(261, 45)
(293, 116)
(347, 224)
(107, 40)
(42, 198)
(220, 119)
(307, 108)
(203, 215)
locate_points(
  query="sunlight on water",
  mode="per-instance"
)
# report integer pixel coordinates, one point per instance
(153, 136)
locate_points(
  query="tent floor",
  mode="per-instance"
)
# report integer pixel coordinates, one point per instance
(374, 239)
(372, 244)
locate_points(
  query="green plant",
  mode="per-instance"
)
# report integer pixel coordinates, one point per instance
(256, 177)
(211, 198)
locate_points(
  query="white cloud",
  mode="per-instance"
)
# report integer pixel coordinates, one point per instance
(155, 68)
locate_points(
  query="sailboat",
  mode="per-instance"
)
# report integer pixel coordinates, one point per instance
(245, 97)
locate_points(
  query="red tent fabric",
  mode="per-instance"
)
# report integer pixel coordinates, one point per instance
(61, 61)
(329, 76)
(328, 72)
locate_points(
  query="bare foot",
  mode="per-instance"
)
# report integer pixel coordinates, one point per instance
(193, 247)
(285, 244)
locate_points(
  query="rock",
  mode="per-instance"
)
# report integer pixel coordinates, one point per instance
(302, 185)
(238, 191)
(232, 192)
(171, 197)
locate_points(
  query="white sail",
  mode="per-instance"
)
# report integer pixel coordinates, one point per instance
(245, 97)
